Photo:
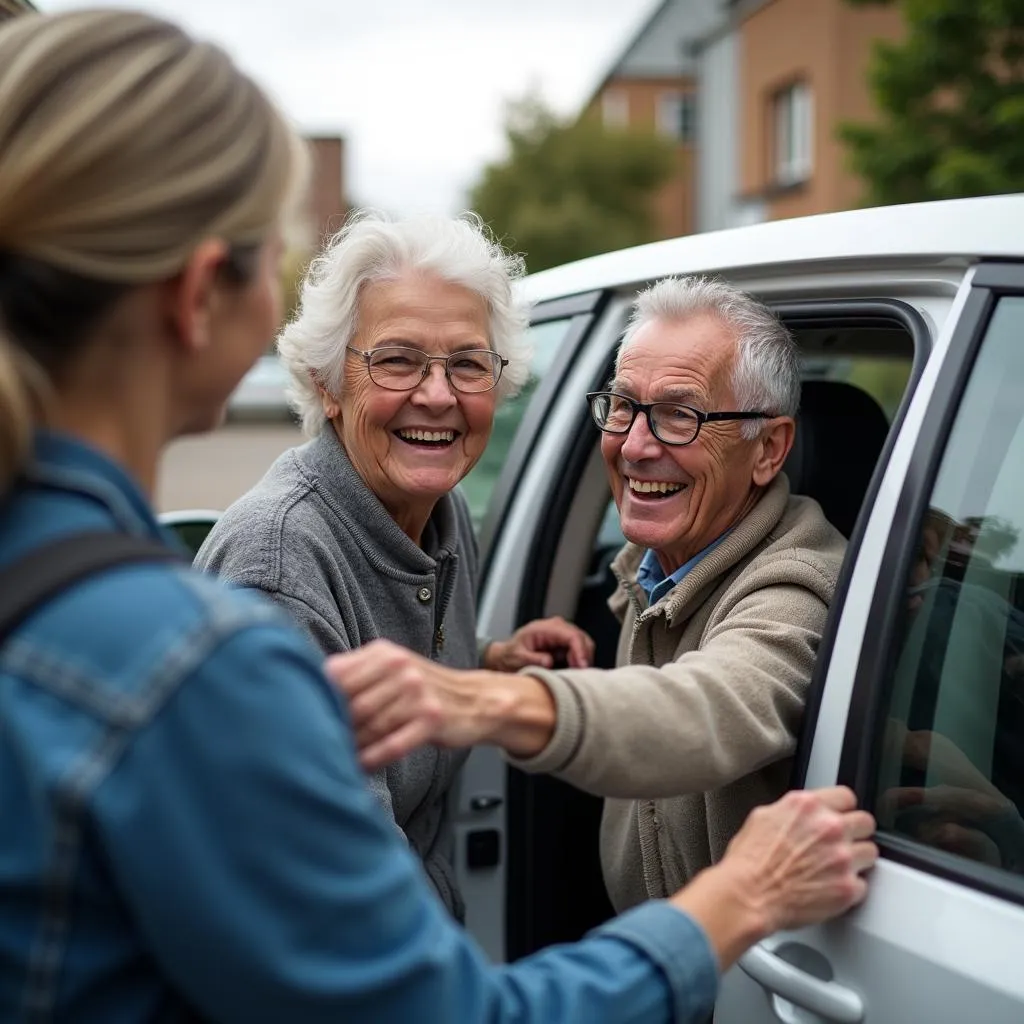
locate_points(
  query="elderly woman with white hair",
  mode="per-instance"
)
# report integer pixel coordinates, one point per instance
(408, 336)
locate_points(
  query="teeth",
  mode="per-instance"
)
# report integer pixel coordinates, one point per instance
(652, 486)
(427, 435)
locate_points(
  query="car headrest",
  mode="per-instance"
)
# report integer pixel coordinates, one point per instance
(840, 432)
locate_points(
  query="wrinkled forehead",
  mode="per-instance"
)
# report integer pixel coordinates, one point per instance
(419, 295)
(702, 347)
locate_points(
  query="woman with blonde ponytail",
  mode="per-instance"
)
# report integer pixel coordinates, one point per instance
(185, 832)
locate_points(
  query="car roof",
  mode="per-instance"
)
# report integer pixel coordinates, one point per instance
(919, 232)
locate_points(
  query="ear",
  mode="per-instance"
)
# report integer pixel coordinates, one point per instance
(773, 446)
(191, 296)
(331, 406)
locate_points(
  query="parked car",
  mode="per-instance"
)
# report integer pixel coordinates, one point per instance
(910, 322)
(260, 394)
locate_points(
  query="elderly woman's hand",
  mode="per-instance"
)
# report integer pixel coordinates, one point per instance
(538, 643)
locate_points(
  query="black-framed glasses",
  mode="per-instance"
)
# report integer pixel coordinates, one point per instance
(398, 368)
(669, 422)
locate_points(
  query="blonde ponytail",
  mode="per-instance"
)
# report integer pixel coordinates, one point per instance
(123, 144)
(16, 418)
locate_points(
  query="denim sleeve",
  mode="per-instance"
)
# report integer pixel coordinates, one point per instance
(268, 885)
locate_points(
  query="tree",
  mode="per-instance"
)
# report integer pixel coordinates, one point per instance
(571, 188)
(951, 100)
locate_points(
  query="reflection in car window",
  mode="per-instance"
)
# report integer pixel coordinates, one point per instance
(545, 338)
(951, 767)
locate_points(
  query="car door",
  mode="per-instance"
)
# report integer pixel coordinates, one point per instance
(921, 709)
(563, 529)
(479, 798)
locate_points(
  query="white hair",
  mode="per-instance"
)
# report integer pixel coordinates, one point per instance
(374, 247)
(766, 376)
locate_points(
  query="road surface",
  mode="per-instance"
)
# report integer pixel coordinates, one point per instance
(211, 470)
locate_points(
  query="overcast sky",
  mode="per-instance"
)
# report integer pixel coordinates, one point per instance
(417, 87)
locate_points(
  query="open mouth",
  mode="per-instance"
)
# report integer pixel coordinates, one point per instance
(653, 490)
(428, 438)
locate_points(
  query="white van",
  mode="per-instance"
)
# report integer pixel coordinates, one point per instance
(911, 325)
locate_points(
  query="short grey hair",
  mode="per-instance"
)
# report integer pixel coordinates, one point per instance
(767, 372)
(374, 247)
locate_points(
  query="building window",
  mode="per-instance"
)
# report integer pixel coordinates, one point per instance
(677, 115)
(615, 109)
(793, 114)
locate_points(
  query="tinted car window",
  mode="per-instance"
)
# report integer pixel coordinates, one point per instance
(545, 338)
(951, 764)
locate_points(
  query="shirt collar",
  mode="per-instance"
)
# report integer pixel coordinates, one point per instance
(652, 578)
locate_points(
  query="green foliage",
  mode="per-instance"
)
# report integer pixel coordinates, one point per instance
(951, 104)
(569, 189)
(884, 380)
(294, 265)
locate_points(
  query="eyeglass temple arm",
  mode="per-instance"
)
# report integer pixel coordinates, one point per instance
(709, 416)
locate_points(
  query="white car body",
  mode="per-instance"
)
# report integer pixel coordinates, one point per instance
(940, 937)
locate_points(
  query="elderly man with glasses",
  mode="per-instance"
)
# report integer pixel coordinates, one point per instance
(723, 591)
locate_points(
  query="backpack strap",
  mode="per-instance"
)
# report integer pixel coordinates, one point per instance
(29, 582)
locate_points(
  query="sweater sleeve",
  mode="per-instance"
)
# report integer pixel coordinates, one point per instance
(695, 724)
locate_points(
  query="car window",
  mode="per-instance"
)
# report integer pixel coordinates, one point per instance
(545, 339)
(883, 378)
(950, 757)
(190, 530)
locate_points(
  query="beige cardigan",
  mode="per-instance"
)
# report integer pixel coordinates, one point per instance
(698, 723)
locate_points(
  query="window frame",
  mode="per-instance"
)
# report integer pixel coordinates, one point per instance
(615, 108)
(858, 763)
(793, 163)
(582, 310)
(676, 115)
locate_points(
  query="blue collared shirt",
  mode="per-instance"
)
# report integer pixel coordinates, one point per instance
(652, 577)
(185, 829)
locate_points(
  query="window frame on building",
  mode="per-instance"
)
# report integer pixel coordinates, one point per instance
(791, 130)
(675, 115)
(615, 108)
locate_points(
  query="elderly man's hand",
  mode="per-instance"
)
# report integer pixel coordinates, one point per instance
(400, 701)
(538, 643)
(795, 862)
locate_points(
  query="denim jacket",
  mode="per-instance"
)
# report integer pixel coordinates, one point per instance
(185, 832)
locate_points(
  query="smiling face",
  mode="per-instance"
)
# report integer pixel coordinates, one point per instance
(412, 447)
(679, 499)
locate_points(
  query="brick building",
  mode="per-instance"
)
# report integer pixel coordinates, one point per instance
(753, 91)
(328, 205)
(653, 84)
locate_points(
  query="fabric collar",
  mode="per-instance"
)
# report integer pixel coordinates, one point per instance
(652, 578)
(330, 472)
(744, 536)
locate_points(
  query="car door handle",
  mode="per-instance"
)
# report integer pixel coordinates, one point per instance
(825, 998)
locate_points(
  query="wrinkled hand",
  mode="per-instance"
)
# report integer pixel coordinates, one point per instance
(538, 643)
(804, 856)
(399, 701)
